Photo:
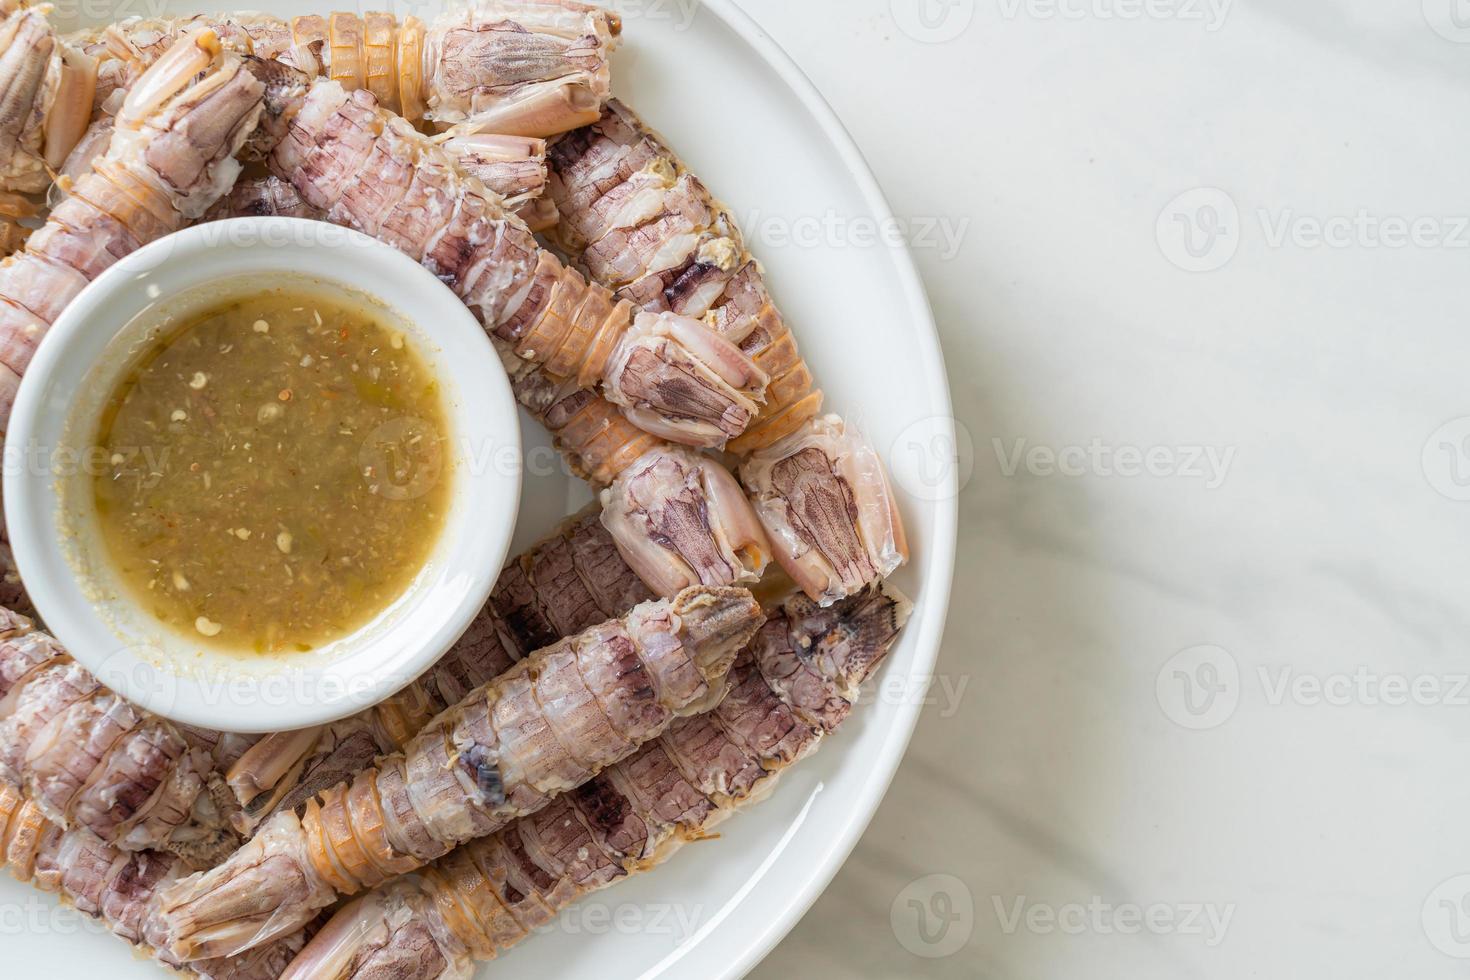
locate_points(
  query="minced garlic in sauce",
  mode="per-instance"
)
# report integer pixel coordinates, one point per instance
(278, 472)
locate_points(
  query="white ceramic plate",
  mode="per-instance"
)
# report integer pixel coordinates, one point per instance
(752, 126)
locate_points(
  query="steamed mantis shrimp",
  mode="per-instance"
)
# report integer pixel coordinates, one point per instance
(708, 333)
(668, 374)
(543, 728)
(679, 518)
(512, 67)
(170, 158)
(513, 167)
(794, 685)
(638, 221)
(117, 887)
(367, 168)
(90, 761)
(569, 582)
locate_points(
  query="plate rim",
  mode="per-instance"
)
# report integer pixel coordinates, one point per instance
(931, 604)
(932, 608)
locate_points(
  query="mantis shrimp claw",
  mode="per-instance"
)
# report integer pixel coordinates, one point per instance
(824, 496)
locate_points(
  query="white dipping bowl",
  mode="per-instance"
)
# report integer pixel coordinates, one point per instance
(53, 528)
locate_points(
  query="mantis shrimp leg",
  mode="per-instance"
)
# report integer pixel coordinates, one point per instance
(548, 725)
(118, 888)
(793, 686)
(639, 222)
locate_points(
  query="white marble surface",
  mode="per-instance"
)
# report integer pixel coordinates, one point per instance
(1310, 820)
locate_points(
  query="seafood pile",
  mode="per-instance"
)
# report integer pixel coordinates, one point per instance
(649, 668)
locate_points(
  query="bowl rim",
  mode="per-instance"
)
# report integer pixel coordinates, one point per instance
(375, 663)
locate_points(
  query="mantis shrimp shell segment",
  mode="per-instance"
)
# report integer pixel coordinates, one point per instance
(677, 517)
(171, 156)
(370, 170)
(513, 67)
(543, 728)
(795, 684)
(46, 93)
(91, 761)
(641, 223)
(567, 583)
(117, 888)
